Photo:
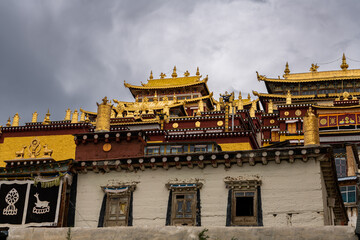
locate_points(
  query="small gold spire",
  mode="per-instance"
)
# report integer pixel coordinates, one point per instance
(270, 107)
(8, 124)
(47, 118)
(16, 120)
(151, 75)
(186, 74)
(240, 97)
(68, 115)
(249, 96)
(75, 117)
(287, 70)
(34, 117)
(197, 72)
(344, 66)
(174, 74)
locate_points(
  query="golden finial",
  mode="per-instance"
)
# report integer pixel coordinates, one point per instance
(151, 76)
(137, 98)
(314, 67)
(75, 116)
(287, 70)
(311, 128)
(174, 98)
(344, 66)
(82, 116)
(174, 74)
(16, 120)
(197, 72)
(8, 124)
(249, 96)
(34, 117)
(67, 115)
(240, 97)
(346, 96)
(288, 97)
(47, 118)
(103, 116)
(186, 74)
(162, 75)
(270, 107)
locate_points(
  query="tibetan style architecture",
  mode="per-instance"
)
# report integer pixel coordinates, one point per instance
(176, 156)
(334, 97)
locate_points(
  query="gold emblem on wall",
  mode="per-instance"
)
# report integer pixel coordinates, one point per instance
(323, 121)
(175, 125)
(34, 150)
(220, 123)
(298, 112)
(272, 121)
(286, 113)
(197, 124)
(107, 147)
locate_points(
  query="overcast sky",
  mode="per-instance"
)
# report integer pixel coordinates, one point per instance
(60, 54)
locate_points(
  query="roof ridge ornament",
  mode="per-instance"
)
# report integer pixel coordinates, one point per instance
(186, 74)
(260, 77)
(287, 70)
(151, 75)
(344, 66)
(8, 124)
(314, 67)
(34, 117)
(162, 75)
(16, 120)
(174, 74)
(197, 71)
(47, 118)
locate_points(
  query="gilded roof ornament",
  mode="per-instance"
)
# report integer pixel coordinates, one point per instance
(270, 107)
(67, 115)
(260, 77)
(82, 116)
(186, 74)
(34, 117)
(197, 71)
(314, 67)
(162, 75)
(151, 76)
(174, 74)
(288, 97)
(249, 96)
(8, 124)
(47, 118)
(75, 116)
(287, 70)
(16, 120)
(344, 66)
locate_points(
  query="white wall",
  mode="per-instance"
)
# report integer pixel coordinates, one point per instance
(287, 188)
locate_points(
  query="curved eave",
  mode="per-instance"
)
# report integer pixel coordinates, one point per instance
(328, 95)
(133, 87)
(286, 80)
(335, 107)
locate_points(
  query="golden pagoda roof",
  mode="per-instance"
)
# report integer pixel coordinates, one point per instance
(165, 83)
(314, 76)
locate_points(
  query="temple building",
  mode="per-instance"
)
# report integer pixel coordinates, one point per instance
(177, 156)
(333, 96)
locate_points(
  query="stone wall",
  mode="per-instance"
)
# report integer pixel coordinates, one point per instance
(291, 194)
(184, 233)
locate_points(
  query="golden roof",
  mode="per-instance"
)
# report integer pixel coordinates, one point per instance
(314, 76)
(328, 95)
(164, 83)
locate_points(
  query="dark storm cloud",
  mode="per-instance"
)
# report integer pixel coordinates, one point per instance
(60, 54)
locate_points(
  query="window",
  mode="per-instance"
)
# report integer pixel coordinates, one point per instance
(348, 194)
(291, 128)
(184, 204)
(244, 202)
(275, 136)
(200, 148)
(340, 163)
(176, 149)
(155, 150)
(116, 209)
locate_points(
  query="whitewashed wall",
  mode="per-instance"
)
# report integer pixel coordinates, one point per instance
(291, 194)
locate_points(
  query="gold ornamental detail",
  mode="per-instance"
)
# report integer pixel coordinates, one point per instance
(106, 147)
(34, 150)
(272, 121)
(298, 112)
(286, 113)
(220, 123)
(175, 125)
(197, 124)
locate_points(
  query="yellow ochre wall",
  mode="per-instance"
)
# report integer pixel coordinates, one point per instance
(235, 146)
(63, 147)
